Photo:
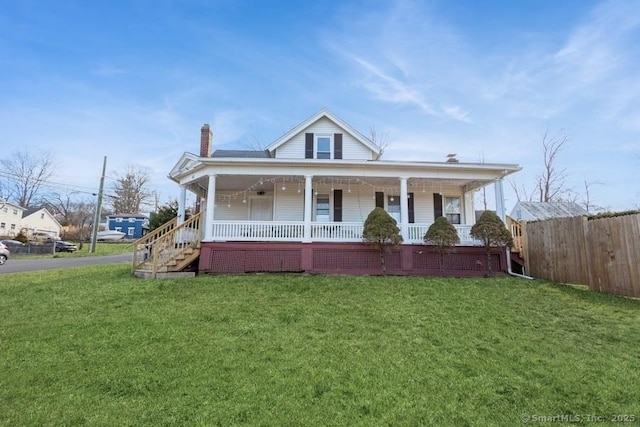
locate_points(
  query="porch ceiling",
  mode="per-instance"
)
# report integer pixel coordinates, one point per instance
(266, 183)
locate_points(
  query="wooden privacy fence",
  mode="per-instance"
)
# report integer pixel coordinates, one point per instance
(603, 253)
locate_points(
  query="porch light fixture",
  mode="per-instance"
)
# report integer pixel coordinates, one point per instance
(392, 198)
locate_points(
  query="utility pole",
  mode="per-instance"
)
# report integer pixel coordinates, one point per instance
(96, 220)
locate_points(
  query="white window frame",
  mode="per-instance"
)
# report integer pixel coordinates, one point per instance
(3, 225)
(324, 217)
(118, 219)
(315, 145)
(118, 229)
(132, 220)
(450, 213)
(15, 211)
(131, 231)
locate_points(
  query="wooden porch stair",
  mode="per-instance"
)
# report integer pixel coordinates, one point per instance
(518, 251)
(169, 250)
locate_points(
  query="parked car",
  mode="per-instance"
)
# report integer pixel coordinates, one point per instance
(62, 246)
(12, 243)
(4, 253)
(44, 237)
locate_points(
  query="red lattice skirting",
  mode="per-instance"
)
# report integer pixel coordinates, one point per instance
(345, 258)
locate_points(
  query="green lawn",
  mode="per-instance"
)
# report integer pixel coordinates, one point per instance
(92, 346)
(101, 249)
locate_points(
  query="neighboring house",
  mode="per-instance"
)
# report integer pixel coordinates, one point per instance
(10, 219)
(531, 211)
(133, 225)
(300, 204)
(40, 220)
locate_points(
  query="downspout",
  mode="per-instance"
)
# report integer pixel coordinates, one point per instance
(510, 272)
(501, 214)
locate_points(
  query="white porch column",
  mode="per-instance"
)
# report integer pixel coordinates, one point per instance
(500, 200)
(182, 202)
(468, 207)
(308, 197)
(211, 201)
(404, 209)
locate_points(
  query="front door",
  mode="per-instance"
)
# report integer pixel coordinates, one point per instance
(261, 209)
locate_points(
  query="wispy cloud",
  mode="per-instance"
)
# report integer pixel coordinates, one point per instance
(457, 113)
(391, 89)
(108, 70)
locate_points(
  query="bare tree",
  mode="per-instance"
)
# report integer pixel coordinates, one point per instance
(586, 202)
(550, 184)
(131, 190)
(381, 139)
(24, 175)
(60, 205)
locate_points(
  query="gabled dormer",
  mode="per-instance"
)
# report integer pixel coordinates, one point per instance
(324, 137)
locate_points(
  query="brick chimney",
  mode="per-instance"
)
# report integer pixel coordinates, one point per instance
(206, 140)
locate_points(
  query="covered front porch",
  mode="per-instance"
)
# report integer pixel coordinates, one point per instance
(313, 208)
(288, 214)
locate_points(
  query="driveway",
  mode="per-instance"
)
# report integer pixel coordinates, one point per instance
(19, 265)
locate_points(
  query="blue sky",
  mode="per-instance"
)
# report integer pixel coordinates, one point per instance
(134, 80)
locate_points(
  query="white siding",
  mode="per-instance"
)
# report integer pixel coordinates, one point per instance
(356, 205)
(230, 209)
(289, 203)
(352, 149)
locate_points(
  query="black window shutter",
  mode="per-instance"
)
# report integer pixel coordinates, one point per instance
(379, 199)
(337, 205)
(437, 205)
(412, 216)
(308, 145)
(337, 145)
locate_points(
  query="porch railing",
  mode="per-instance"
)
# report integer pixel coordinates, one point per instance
(258, 230)
(417, 232)
(293, 231)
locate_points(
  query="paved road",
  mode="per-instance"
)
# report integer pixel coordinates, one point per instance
(18, 265)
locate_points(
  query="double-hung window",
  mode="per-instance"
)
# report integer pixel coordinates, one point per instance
(323, 147)
(323, 212)
(393, 207)
(452, 209)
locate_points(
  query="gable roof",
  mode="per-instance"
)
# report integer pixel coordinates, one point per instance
(546, 210)
(13, 205)
(330, 116)
(127, 215)
(33, 211)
